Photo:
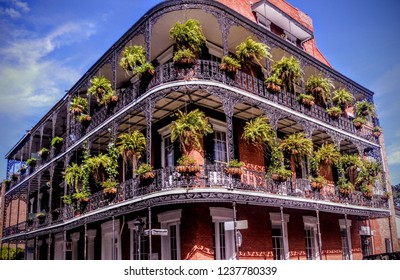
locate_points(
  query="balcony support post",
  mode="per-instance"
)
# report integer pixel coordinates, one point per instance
(229, 105)
(319, 235)
(148, 112)
(150, 235)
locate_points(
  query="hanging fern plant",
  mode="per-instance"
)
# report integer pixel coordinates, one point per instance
(288, 70)
(189, 128)
(189, 39)
(134, 60)
(258, 132)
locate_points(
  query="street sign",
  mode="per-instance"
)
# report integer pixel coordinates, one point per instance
(161, 232)
(242, 224)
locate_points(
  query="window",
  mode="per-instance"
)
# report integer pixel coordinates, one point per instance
(220, 146)
(110, 249)
(388, 245)
(168, 152)
(139, 242)
(171, 244)
(280, 245)
(277, 242)
(311, 238)
(345, 236)
(224, 243)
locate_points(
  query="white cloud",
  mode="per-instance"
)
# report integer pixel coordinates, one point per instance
(28, 73)
(22, 5)
(15, 11)
(393, 155)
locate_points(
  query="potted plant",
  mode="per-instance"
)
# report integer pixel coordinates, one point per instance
(306, 99)
(189, 128)
(85, 119)
(41, 216)
(229, 64)
(145, 172)
(234, 168)
(327, 154)
(44, 153)
(22, 169)
(55, 213)
(14, 177)
(98, 165)
(109, 186)
(280, 174)
(318, 182)
(6, 183)
(101, 88)
(31, 217)
(319, 87)
(288, 70)
(273, 84)
(342, 98)
(334, 111)
(31, 162)
(81, 196)
(67, 199)
(57, 142)
(345, 187)
(359, 122)
(258, 132)
(251, 51)
(296, 145)
(134, 59)
(75, 176)
(189, 39)
(187, 165)
(131, 145)
(365, 108)
(367, 190)
(78, 106)
(377, 131)
(350, 163)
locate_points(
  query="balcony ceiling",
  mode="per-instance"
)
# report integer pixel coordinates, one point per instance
(282, 20)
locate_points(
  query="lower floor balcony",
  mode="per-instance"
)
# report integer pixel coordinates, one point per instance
(208, 183)
(206, 230)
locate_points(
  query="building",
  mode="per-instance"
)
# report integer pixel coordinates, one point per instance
(58, 206)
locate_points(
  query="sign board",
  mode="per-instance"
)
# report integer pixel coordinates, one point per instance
(161, 232)
(242, 224)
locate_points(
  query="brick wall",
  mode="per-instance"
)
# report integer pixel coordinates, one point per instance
(197, 233)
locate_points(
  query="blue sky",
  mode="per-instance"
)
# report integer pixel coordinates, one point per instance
(46, 45)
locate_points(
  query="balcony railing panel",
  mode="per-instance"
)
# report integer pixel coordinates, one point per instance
(213, 177)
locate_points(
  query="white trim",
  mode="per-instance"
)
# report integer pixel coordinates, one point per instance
(203, 190)
(59, 246)
(214, 49)
(342, 225)
(107, 244)
(132, 229)
(276, 221)
(168, 219)
(311, 223)
(75, 236)
(220, 215)
(165, 56)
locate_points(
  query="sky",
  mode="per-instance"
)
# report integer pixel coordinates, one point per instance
(47, 45)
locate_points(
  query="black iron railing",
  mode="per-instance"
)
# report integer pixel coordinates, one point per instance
(210, 177)
(209, 70)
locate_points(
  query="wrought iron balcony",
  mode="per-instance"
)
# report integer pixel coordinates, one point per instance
(209, 70)
(208, 178)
